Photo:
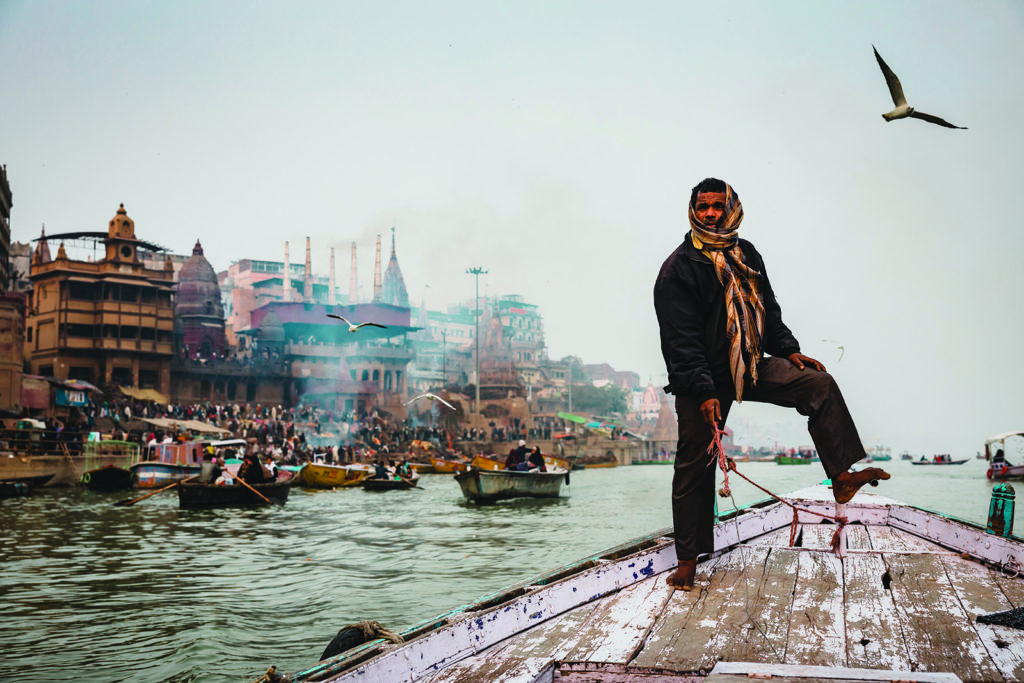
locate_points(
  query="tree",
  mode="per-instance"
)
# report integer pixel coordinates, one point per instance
(605, 400)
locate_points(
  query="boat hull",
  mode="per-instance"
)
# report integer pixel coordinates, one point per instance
(109, 478)
(333, 476)
(199, 496)
(949, 462)
(391, 484)
(789, 460)
(155, 475)
(486, 486)
(442, 466)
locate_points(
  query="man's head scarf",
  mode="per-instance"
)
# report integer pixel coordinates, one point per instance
(744, 310)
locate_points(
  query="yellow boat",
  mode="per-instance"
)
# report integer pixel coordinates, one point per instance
(320, 476)
(482, 462)
(421, 467)
(442, 466)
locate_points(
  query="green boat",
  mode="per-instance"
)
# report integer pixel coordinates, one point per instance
(781, 459)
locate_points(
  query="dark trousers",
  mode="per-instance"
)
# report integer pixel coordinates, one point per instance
(814, 394)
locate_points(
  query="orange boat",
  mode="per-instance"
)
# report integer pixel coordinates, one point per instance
(442, 466)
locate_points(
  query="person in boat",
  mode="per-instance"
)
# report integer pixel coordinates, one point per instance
(718, 317)
(206, 468)
(251, 470)
(380, 471)
(537, 460)
(999, 457)
(271, 469)
(514, 459)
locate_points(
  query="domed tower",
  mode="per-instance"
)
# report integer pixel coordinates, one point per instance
(199, 308)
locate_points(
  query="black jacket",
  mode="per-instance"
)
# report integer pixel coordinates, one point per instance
(690, 303)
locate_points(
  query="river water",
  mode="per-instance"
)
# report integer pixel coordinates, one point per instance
(95, 592)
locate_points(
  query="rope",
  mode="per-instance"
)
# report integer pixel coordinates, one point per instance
(727, 465)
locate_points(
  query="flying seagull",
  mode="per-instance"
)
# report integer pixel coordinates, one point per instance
(839, 346)
(353, 328)
(431, 397)
(903, 110)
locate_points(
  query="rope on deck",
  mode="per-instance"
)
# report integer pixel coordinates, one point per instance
(727, 464)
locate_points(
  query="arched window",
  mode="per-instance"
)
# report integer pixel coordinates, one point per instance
(387, 380)
(376, 378)
(366, 375)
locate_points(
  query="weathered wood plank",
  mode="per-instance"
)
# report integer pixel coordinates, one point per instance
(678, 640)
(778, 538)
(980, 594)
(617, 626)
(805, 672)
(857, 537)
(521, 657)
(817, 633)
(1012, 587)
(817, 536)
(886, 538)
(874, 638)
(935, 627)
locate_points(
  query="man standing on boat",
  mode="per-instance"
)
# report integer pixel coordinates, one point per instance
(718, 316)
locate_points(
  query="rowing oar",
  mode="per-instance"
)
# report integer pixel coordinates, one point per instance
(133, 501)
(249, 486)
(410, 482)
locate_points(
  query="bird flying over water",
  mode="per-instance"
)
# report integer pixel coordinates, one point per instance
(353, 328)
(903, 110)
(431, 397)
(839, 346)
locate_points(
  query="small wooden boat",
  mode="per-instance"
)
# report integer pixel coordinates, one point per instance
(488, 486)
(321, 476)
(108, 478)
(392, 483)
(422, 467)
(446, 466)
(999, 468)
(942, 459)
(782, 459)
(194, 495)
(15, 489)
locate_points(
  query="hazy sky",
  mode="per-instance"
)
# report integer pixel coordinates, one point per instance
(554, 143)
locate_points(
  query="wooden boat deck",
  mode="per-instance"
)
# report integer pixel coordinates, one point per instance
(899, 605)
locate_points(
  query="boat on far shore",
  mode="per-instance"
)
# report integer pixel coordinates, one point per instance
(940, 459)
(318, 475)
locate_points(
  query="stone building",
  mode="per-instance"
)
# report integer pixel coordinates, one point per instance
(199, 310)
(110, 321)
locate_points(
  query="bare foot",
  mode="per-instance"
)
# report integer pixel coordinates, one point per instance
(682, 577)
(846, 484)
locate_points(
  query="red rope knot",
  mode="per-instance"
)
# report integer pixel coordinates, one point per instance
(841, 522)
(718, 456)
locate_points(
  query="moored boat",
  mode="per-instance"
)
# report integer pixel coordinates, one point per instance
(488, 486)
(482, 462)
(391, 483)
(783, 459)
(999, 467)
(321, 476)
(168, 463)
(108, 478)
(198, 495)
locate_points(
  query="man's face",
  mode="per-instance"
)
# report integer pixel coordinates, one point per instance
(710, 207)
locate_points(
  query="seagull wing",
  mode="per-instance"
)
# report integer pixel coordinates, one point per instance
(895, 89)
(417, 398)
(934, 119)
(446, 403)
(383, 327)
(842, 350)
(338, 317)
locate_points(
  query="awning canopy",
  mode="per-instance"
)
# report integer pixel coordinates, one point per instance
(573, 418)
(187, 425)
(144, 394)
(1002, 437)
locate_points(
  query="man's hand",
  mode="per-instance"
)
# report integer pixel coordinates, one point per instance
(711, 411)
(800, 360)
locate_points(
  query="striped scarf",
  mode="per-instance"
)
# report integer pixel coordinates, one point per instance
(744, 310)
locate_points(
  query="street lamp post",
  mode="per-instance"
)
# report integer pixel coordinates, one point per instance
(477, 272)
